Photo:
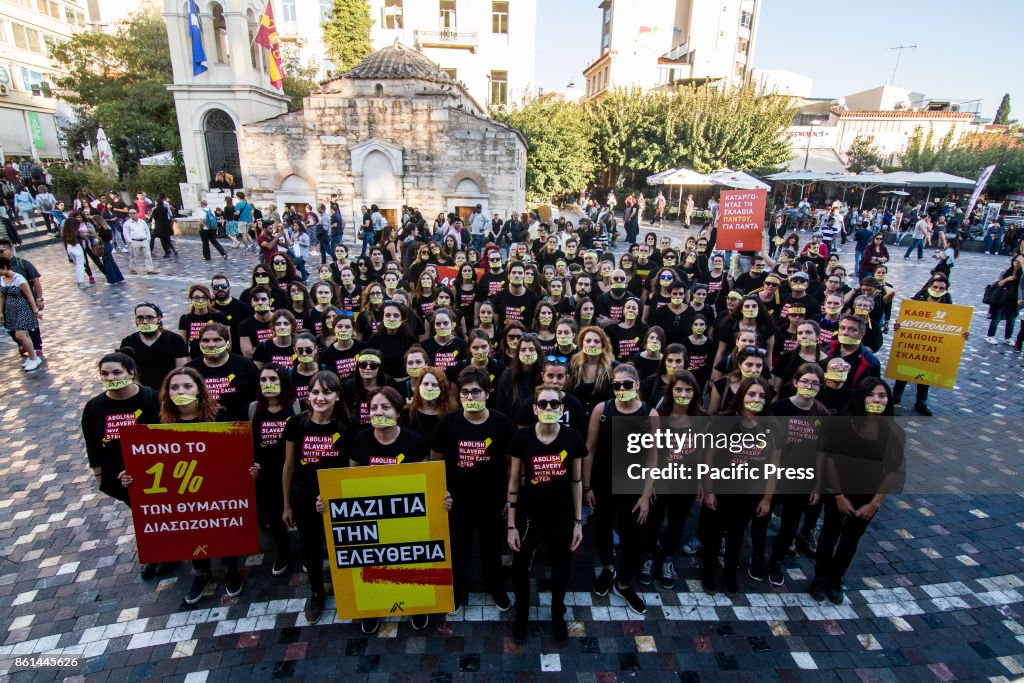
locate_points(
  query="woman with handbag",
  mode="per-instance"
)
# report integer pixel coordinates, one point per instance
(1002, 300)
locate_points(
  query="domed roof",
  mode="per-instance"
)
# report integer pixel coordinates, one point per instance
(398, 61)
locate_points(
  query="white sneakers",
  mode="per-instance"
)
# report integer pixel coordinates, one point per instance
(30, 365)
(990, 340)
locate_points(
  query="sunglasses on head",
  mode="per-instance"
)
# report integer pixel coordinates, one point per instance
(368, 365)
(548, 404)
(755, 351)
(619, 386)
(557, 359)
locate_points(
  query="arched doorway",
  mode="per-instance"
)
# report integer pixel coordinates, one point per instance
(222, 145)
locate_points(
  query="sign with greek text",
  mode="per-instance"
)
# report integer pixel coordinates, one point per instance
(192, 496)
(387, 539)
(927, 347)
(741, 220)
(448, 276)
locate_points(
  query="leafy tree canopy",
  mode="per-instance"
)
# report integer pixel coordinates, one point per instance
(347, 33)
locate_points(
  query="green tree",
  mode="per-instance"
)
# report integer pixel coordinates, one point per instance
(863, 155)
(347, 33)
(636, 134)
(558, 157)
(116, 81)
(922, 154)
(299, 78)
(1003, 112)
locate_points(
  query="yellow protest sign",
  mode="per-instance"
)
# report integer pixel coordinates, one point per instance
(387, 539)
(927, 347)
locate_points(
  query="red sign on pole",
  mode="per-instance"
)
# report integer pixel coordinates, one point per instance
(192, 496)
(741, 220)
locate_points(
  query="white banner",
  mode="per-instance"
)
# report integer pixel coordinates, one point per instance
(979, 187)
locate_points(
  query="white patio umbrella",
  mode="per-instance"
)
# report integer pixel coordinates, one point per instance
(106, 154)
(738, 180)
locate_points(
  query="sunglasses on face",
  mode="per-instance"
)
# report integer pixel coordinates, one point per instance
(306, 351)
(549, 404)
(368, 365)
(619, 386)
(219, 287)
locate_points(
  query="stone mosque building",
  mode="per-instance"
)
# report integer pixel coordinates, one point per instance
(395, 130)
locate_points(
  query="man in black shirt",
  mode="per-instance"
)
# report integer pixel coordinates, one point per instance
(491, 282)
(232, 309)
(230, 378)
(749, 281)
(608, 307)
(515, 303)
(252, 331)
(156, 351)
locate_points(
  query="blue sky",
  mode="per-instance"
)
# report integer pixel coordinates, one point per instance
(966, 50)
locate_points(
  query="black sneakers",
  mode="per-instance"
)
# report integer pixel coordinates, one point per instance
(419, 621)
(646, 571)
(559, 629)
(148, 571)
(280, 565)
(668, 574)
(519, 627)
(199, 586)
(776, 576)
(835, 595)
(233, 583)
(633, 600)
(603, 583)
(755, 570)
(501, 601)
(370, 626)
(817, 589)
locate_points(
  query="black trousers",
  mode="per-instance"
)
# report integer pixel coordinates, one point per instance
(270, 503)
(555, 534)
(210, 237)
(614, 513)
(730, 520)
(476, 515)
(676, 508)
(165, 244)
(310, 524)
(790, 506)
(922, 390)
(838, 542)
(204, 566)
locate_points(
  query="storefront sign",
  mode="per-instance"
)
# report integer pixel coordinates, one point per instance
(387, 539)
(927, 347)
(35, 128)
(192, 496)
(741, 220)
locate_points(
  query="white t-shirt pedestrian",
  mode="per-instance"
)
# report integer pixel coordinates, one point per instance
(920, 229)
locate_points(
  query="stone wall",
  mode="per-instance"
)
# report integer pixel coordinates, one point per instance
(440, 145)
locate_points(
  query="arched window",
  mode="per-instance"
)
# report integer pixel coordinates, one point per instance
(254, 50)
(220, 34)
(378, 90)
(222, 145)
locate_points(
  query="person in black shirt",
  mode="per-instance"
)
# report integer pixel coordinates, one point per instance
(256, 329)
(316, 439)
(515, 303)
(234, 310)
(156, 351)
(230, 379)
(275, 403)
(199, 314)
(340, 357)
(394, 339)
(473, 442)
(124, 402)
(545, 505)
(369, 375)
(863, 455)
(444, 349)
(609, 306)
(280, 348)
(262, 277)
(556, 373)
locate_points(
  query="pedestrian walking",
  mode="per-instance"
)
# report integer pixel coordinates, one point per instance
(20, 311)
(137, 235)
(208, 231)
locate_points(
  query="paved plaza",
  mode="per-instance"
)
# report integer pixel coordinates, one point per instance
(936, 592)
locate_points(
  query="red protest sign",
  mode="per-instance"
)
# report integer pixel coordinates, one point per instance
(192, 496)
(448, 276)
(741, 220)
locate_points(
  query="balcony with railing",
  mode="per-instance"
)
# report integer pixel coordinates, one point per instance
(446, 37)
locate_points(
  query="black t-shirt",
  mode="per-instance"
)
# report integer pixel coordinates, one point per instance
(446, 356)
(392, 348)
(269, 352)
(626, 342)
(512, 308)
(268, 441)
(235, 311)
(862, 463)
(645, 367)
(191, 323)
(700, 357)
(423, 424)
(341, 361)
(255, 331)
(474, 454)
(408, 447)
(317, 447)
(233, 384)
(676, 326)
(836, 401)
(489, 285)
(155, 360)
(102, 420)
(799, 442)
(610, 306)
(547, 472)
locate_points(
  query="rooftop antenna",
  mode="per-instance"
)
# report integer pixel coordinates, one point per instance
(899, 53)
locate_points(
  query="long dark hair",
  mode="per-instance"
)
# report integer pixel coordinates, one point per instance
(207, 407)
(287, 397)
(329, 381)
(861, 391)
(695, 409)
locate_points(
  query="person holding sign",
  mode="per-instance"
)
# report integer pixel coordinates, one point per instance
(313, 441)
(386, 444)
(123, 402)
(473, 443)
(545, 505)
(936, 292)
(185, 400)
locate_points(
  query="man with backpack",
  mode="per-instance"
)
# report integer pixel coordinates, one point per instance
(46, 203)
(208, 231)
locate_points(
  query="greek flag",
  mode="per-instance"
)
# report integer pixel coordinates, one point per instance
(195, 33)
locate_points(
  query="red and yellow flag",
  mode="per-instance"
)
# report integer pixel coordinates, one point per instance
(268, 38)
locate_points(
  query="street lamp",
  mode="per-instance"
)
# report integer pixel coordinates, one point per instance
(810, 134)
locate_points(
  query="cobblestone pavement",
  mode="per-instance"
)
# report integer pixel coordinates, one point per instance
(936, 593)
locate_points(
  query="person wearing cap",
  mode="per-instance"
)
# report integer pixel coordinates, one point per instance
(798, 294)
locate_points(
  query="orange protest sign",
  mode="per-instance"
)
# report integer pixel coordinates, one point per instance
(387, 539)
(927, 347)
